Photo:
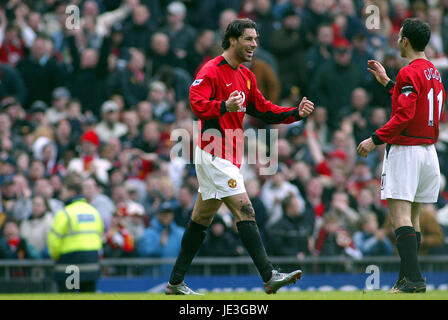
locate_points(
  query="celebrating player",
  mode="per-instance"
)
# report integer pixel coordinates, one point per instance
(223, 92)
(411, 173)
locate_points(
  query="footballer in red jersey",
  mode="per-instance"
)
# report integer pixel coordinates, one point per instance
(222, 93)
(411, 172)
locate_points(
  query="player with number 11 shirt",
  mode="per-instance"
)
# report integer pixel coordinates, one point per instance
(411, 173)
(417, 100)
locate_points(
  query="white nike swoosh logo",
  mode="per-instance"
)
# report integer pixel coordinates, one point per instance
(228, 84)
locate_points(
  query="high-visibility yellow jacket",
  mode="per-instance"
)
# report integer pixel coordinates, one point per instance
(77, 227)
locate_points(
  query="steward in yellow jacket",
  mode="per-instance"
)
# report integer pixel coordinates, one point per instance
(75, 240)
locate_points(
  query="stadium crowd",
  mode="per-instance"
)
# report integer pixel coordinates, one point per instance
(104, 98)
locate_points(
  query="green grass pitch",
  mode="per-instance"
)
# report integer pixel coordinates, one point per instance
(298, 295)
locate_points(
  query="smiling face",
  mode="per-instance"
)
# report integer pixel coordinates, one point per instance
(245, 45)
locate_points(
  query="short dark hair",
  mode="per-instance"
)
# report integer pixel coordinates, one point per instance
(73, 182)
(235, 29)
(418, 33)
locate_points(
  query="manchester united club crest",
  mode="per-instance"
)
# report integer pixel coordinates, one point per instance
(232, 183)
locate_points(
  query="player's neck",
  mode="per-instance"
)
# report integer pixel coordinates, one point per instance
(411, 56)
(231, 59)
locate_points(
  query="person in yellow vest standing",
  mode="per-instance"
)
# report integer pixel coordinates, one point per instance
(75, 240)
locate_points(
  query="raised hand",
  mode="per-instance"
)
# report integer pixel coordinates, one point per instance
(235, 101)
(378, 71)
(306, 107)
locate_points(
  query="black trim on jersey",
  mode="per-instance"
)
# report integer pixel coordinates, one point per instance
(224, 62)
(223, 108)
(211, 124)
(390, 85)
(271, 117)
(376, 140)
(405, 135)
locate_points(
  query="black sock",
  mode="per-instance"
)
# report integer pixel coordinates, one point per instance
(407, 248)
(250, 236)
(419, 241)
(191, 242)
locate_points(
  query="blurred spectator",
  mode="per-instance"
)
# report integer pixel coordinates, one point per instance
(432, 236)
(12, 84)
(100, 201)
(371, 240)
(335, 80)
(118, 239)
(144, 111)
(267, 23)
(287, 45)
(366, 204)
(158, 97)
(362, 53)
(140, 29)
(13, 246)
(358, 113)
(224, 20)
(333, 240)
(339, 207)
(110, 127)
(133, 137)
(35, 228)
(89, 66)
(273, 192)
(201, 51)
(321, 51)
(40, 72)
(361, 177)
(292, 234)
(162, 239)
(185, 198)
(220, 241)
(58, 109)
(89, 164)
(180, 33)
(161, 53)
(133, 80)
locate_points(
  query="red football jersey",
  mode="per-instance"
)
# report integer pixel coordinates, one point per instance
(417, 101)
(221, 132)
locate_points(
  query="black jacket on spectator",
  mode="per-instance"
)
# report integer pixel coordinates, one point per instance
(136, 36)
(89, 84)
(132, 89)
(40, 79)
(289, 235)
(332, 86)
(224, 245)
(11, 84)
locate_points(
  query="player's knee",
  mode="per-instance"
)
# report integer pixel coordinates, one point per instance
(246, 212)
(204, 220)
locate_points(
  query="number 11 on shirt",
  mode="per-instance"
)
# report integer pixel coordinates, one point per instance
(431, 105)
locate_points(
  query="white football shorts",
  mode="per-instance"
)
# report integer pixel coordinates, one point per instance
(218, 178)
(411, 173)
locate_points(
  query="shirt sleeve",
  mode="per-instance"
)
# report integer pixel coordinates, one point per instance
(201, 99)
(56, 234)
(404, 110)
(267, 111)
